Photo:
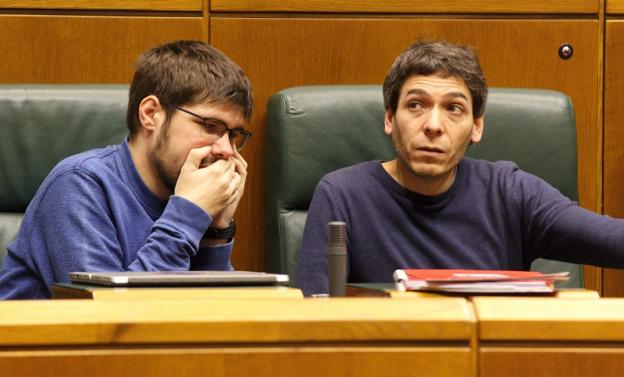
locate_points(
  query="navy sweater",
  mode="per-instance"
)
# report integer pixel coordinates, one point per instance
(94, 213)
(494, 216)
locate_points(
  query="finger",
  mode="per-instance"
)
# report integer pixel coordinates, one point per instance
(241, 167)
(235, 182)
(227, 178)
(223, 165)
(230, 168)
(240, 158)
(236, 195)
(240, 189)
(220, 169)
(194, 158)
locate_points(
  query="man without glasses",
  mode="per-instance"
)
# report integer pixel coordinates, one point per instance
(431, 207)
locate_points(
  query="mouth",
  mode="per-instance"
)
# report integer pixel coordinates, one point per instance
(433, 150)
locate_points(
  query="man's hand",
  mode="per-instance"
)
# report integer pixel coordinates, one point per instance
(214, 188)
(222, 219)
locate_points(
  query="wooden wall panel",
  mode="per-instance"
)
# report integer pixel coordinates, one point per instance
(59, 49)
(571, 360)
(408, 6)
(615, 6)
(279, 53)
(150, 5)
(219, 361)
(613, 280)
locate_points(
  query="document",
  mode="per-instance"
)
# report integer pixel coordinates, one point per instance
(476, 281)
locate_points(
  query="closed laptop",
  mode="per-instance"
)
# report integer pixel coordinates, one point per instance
(179, 278)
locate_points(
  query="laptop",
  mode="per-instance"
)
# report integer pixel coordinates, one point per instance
(178, 278)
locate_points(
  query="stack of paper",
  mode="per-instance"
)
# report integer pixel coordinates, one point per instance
(477, 281)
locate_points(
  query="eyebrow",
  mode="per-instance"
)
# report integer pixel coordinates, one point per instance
(421, 92)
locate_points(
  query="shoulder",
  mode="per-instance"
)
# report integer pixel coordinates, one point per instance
(79, 173)
(489, 167)
(507, 177)
(490, 172)
(73, 186)
(89, 161)
(353, 175)
(348, 182)
(507, 171)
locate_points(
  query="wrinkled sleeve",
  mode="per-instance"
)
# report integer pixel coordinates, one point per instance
(557, 228)
(73, 224)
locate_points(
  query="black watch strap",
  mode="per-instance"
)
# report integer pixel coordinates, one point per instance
(221, 233)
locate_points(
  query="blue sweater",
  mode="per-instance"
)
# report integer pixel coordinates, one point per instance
(494, 216)
(94, 213)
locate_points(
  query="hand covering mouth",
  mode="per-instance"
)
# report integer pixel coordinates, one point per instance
(207, 162)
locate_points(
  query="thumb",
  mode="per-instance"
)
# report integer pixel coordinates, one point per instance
(194, 158)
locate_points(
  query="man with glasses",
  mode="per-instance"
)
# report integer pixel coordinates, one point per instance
(164, 199)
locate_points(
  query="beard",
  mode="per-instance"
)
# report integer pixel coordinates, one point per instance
(426, 168)
(167, 172)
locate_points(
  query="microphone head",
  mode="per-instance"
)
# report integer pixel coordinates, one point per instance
(337, 233)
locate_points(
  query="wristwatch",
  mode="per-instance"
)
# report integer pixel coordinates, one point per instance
(221, 233)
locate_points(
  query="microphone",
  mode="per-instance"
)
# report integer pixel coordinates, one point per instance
(337, 258)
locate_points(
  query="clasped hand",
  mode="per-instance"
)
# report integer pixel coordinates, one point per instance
(216, 188)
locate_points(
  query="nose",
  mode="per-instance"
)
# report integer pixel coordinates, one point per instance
(222, 148)
(433, 125)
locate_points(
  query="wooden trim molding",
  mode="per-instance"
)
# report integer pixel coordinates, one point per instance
(410, 6)
(150, 5)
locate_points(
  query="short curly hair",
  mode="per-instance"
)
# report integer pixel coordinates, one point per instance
(441, 58)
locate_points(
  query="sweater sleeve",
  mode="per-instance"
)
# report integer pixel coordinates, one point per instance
(75, 230)
(558, 228)
(312, 266)
(216, 258)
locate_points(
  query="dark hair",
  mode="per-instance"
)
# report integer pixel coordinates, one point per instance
(438, 57)
(187, 72)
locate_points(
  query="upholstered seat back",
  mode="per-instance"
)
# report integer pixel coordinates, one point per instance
(317, 129)
(42, 124)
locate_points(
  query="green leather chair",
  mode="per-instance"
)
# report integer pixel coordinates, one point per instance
(42, 124)
(317, 129)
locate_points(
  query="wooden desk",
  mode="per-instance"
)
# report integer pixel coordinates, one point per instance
(234, 337)
(545, 337)
(80, 291)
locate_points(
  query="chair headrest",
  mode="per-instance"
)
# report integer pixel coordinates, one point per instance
(42, 124)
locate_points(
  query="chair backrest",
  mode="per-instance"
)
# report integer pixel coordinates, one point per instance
(314, 130)
(42, 124)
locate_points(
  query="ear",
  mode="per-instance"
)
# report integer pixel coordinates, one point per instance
(150, 112)
(388, 121)
(477, 130)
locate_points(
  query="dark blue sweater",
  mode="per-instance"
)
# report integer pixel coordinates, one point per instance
(94, 213)
(494, 216)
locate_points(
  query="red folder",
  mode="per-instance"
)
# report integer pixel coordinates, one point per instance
(477, 281)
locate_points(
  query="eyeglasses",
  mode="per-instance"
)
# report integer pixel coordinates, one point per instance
(238, 137)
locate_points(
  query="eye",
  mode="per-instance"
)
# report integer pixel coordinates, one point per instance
(456, 109)
(238, 138)
(214, 126)
(233, 135)
(414, 105)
